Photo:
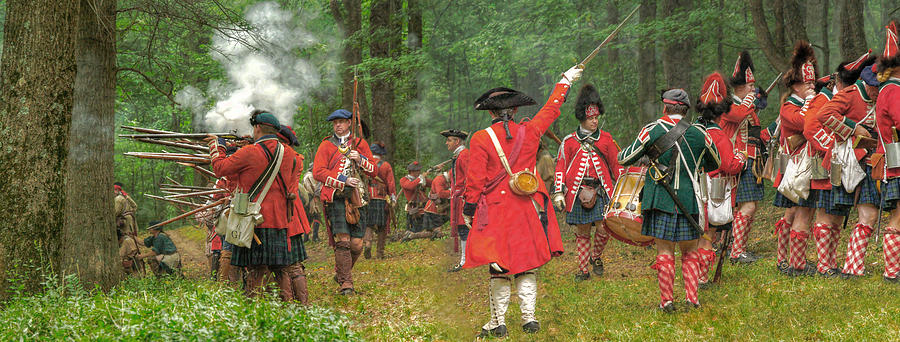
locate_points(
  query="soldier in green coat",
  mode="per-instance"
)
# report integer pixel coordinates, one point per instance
(163, 256)
(662, 219)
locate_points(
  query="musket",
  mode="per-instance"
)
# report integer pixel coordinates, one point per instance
(548, 133)
(774, 83)
(173, 157)
(608, 39)
(724, 250)
(174, 144)
(438, 166)
(187, 187)
(199, 193)
(189, 213)
(147, 130)
(173, 200)
(203, 171)
(192, 136)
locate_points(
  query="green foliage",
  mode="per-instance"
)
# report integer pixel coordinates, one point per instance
(163, 310)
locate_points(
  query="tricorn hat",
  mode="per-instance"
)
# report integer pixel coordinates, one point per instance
(153, 223)
(848, 72)
(455, 133)
(588, 103)
(502, 98)
(743, 70)
(712, 101)
(803, 65)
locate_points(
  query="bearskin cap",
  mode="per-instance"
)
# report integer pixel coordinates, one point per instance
(743, 70)
(848, 72)
(803, 65)
(502, 98)
(588, 96)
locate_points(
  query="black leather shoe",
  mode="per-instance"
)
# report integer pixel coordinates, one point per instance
(597, 267)
(806, 271)
(705, 285)
(347, 292)
(456, 268)
(531, 327)
(783, 267)
(893, 280)
(744, 259)
(831, 273)
(582, 277)
(499, 331)
(668, 307)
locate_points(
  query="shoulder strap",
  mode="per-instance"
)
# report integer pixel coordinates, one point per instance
(665, 142)
(499, 150)
(271, 171)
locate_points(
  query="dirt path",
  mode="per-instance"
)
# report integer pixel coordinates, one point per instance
(193, 254)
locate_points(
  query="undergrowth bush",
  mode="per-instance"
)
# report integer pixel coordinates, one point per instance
(162, 310)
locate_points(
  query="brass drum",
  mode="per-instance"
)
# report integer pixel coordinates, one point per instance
(623, 214)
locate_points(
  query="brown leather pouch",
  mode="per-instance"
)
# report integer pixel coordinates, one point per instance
(877, 163)
(865, 143)
(351, 212)
(795, 141)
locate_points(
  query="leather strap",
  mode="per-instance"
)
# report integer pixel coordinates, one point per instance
(665, 142)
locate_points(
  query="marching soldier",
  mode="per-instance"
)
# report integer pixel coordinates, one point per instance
(341, 160)
(711, 105)
(125, 208)
(437, 209)
(800, 80)
(842, 121)
(456, 144)
(741, 124)
(414, 187)
(887, 115)
(679, 152)
(515, 227)
(276, 248)
(382, 196)
(586, 174)
(163, 255)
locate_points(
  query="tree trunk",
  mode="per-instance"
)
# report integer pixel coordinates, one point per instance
(612, 19)
(648, 98)
(794, 17)
(348, 14)
(853, 36)
(383, 37)
(92, 251)
(414, 34)
(776, 54)
(37, 77)
(678, 53)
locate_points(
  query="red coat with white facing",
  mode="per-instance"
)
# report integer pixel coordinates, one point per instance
(440, 189)
(736, 122)
(573, 163)
(506, 227)
(887, 114)
(329, 164)
(246, 165)
(382, 187)
(414, 188)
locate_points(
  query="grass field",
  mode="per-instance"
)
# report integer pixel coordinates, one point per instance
(409, 296)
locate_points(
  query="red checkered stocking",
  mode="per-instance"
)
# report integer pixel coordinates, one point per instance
(601, 236)
(891, 252)
(582, 245)
(833, 240)
(665, 267)
(707, 258)
(782, 236)
(739, 233)
(798, 249)
(690, 273)
(856, 250)
(823, 242)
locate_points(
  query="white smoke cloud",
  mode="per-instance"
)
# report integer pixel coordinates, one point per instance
(266, 74)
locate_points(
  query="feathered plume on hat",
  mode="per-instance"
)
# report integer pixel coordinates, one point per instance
(890, 58)
(803, 65)
(848, 72)
(743, 70)
(712, 101)
(588, 103)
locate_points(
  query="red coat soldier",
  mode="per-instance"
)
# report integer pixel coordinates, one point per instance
(456, 144)
(437, 209)
(280, 252)
(586, 174)
(382, 197)
(341, 160)
(887, 116)
(515, 231)
(415, 186)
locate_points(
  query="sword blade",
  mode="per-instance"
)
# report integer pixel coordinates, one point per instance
(608, 38)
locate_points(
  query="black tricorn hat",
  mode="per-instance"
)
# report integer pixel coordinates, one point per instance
(587, 96)
(502, 98)
(455, 133)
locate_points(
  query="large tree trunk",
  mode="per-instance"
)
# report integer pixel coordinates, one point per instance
(678, 53)
(37, 77)
(648, 98)
(348, 14)
(92, 251)
(384, 38)
(853, 36)
(776, 53)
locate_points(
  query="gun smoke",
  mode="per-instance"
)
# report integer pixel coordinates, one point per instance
(264, 72)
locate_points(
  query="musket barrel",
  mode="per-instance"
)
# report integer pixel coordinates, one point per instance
(189, 213)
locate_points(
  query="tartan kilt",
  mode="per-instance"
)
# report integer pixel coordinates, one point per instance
(666, 226)
(431, 221)
(273, 251)
(832, 200)
(337, 219)
(868, 192)
(580, 215)
(415, 224)
(809, 202)
(891, 193)
(747, 189)
(376, 213)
